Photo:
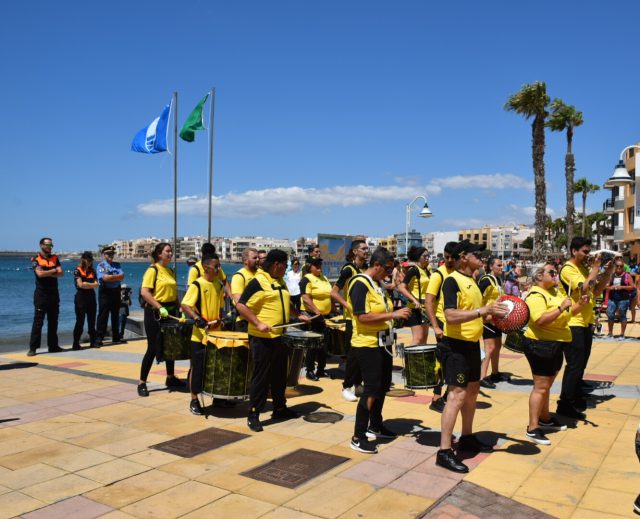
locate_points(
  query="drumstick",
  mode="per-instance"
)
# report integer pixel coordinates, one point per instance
(192, 321)
(293, 324)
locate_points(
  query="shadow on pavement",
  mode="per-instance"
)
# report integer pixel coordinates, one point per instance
(17, 365)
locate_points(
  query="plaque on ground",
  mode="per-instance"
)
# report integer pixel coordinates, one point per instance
(295, 468)
(399, 392)
(196, 443)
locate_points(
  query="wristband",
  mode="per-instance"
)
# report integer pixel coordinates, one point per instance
(478, 311)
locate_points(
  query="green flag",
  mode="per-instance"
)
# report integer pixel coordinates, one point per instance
(194, 122)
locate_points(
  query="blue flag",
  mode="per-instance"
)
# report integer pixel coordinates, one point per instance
(153, 138)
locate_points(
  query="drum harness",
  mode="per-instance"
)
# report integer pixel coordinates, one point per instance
(494, 282)
(380, 290)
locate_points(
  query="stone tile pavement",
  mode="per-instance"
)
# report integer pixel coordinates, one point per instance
(75, 437)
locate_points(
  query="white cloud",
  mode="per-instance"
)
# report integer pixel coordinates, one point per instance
(528, 212)
(495, 181)
(286, 200)
(465, 223)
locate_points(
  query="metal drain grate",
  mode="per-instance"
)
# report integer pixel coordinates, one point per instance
(196, 443)
(323, 417)
(400, 392)
(295, 468)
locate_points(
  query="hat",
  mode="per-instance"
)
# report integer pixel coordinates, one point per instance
(124, 285)
(466, 246)
(192, 259)
(87, 255)
(273, 256)
(109, 249)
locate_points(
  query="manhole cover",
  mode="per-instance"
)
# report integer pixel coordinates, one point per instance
(202, 441)
(400, 392)
(323, 417)
(295, 468)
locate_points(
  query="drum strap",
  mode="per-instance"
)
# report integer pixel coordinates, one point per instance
(199, 300)
(280, 288)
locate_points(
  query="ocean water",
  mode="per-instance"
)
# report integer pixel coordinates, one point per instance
(17, 284)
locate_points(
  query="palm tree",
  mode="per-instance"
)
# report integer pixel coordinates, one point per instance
(599, 220)
(566, 117)
(532, 101)
(582, 185)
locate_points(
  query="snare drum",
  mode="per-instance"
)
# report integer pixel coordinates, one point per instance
(298, 342)
(176, 340)
(515, 341)
(337, 335)
(228, 366)
(421, 368)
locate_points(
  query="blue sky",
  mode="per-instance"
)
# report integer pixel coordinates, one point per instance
(330, 116)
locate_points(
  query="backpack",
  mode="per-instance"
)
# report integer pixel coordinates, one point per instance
(141, 301)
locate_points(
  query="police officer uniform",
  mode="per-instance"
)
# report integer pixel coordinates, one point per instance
(108, 297)
(46, 302)
(84, 302)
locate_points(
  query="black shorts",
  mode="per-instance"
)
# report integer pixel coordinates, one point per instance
(460, 361)
(490, 332)
(544, 367)
(197, 366)
(416, 319)
(376, 366)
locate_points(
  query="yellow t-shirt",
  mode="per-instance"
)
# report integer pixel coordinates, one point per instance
(239, 282)
(461, 291)
(162, 282)
(571, 279)
(490, 288)
(319, 288)
(346, 275)
(197, 271)
(364, 298)
(541, 301)
(269, 299)
(210, 294)
(417, 281)
(434, 287)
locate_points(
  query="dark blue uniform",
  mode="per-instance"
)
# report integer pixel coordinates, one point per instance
(108, 300)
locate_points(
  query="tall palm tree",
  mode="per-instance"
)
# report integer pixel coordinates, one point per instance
(532, 101)
(582, 185)
(566, 117)
(599, 220)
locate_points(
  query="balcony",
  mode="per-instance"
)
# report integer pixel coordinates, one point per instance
(618, 204)
(608, 206)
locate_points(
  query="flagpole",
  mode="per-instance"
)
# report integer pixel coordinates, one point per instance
(212, 108)
(175, 182)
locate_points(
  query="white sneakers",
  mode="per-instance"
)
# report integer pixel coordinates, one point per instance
(349, 395)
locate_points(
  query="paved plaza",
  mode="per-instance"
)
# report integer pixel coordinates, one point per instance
(75, 443)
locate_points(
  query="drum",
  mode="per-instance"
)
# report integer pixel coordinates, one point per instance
(228, 366)
(298, 342)
(337, 338)
(515, 341)
(176, 340)
(421, 368)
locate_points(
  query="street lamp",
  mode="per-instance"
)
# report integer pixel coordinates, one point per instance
(620, 175)
(425, 213)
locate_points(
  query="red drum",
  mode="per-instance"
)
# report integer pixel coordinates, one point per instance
(516, 318)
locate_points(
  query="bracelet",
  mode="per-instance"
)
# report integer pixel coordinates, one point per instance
(478, 311)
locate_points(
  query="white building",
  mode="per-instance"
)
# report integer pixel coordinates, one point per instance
(434, 242)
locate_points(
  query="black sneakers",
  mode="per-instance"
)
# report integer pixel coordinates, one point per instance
(196, 408)
(437, 405)
(253, 421)
(570, 412)
(312, 376)
(487, 384)
(31, 353)
(448, 460)
(470, 443)
(142, 390)
(363, 445)
(382, 433)
(538, 436)
(173, 381)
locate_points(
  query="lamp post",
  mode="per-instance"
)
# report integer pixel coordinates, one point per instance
(425, 213)
(620, 175)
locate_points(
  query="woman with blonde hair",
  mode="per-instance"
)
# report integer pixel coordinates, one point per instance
(548, 331)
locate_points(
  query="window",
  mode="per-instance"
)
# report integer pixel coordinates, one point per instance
(630, 215)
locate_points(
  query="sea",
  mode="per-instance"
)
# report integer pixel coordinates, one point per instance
(16, 297)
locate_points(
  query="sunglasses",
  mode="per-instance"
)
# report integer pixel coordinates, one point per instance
(552, 273)
(48, 244)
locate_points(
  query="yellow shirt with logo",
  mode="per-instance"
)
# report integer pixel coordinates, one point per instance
(434, 288)
(541, 301)
(269, 299)
(239, 282)
(461, 292)
(572, 278)
(319, 288)
(366, 296)
(162, 282)
(209, 294)
(490, 288)
(417, 284)
(197, 271)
